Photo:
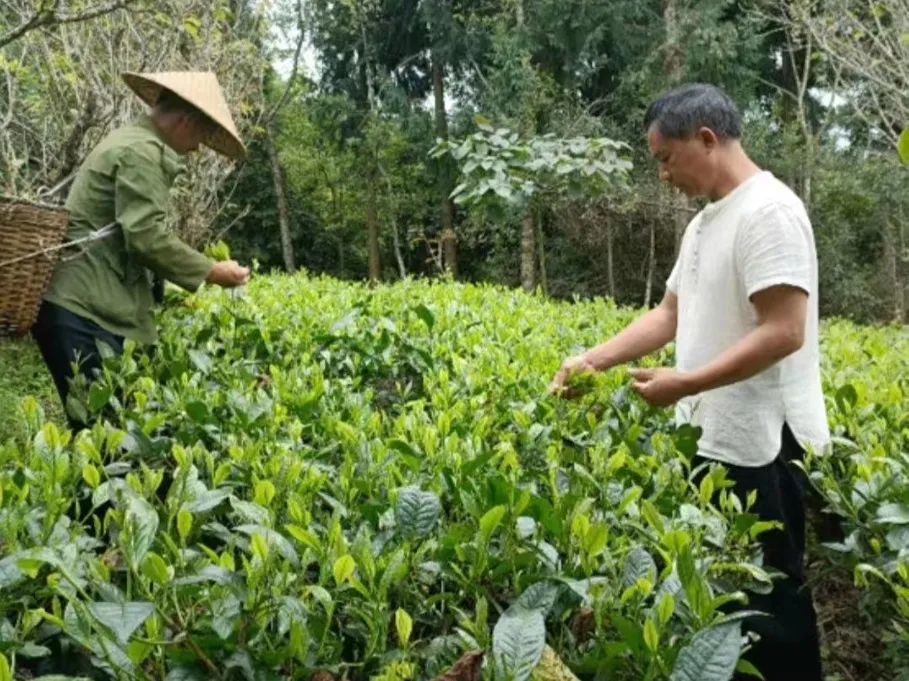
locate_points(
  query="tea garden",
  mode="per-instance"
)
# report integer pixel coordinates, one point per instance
(321, 480)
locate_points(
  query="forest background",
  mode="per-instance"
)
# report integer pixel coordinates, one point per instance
(343, 105)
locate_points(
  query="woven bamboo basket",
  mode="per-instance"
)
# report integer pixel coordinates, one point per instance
(30, 236)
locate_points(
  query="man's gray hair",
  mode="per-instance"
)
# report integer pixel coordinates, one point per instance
(683, 111)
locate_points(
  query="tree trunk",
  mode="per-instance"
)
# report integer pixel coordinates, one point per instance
(541, 249)
(674, 54)
(610, 266)
(673, 65)
(796, 77)
(372, 232)
(892, 272)
(287, 247)
(449, 238)
(528, 254)
(651, 262)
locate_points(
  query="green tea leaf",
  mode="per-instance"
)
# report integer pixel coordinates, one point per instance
(518, 640)
(490, 521)
(638, 565)
(893, 513)
(91, 475)
(156, 569)
(403, 626)
(651, 636)
(184, 523)
(424, 313)
(745, 667)
(712, 655)
(416, 511)
(139, 529)
(206, 501)
(121, 618)
(201, 361)
(199, 412)
(343, 569)
(98, 396)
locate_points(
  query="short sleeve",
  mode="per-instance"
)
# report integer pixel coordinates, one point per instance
(774, 250)
(672, 283)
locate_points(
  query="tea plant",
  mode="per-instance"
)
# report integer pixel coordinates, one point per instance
(369, 483)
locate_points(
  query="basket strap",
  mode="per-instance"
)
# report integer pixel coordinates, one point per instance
(96, 235)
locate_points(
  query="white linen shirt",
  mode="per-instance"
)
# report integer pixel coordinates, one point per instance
(756, 237)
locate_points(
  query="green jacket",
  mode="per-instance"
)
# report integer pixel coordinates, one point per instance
(125, 180)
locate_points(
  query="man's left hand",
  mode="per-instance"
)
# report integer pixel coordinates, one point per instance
(661, 387)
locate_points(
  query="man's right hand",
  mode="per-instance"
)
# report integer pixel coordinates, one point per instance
(579, 364)
(228, 274)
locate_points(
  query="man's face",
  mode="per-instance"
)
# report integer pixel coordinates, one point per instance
(684, 163)
(189, 133)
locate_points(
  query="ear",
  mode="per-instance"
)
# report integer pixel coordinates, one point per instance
(708, 137)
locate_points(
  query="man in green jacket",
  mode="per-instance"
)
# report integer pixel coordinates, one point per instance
(103, 294)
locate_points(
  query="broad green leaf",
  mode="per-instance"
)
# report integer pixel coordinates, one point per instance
(156, 569)
(426, 315)
(343, 569)
(490, 521)
(518, 640)
(259, 546)
(199, 412)
(201, 361)
(138, 651)
(303, 536)
(121, 618)
(98, 396)
(712, 655)
(225, 613)
(893, 513)
(638, 565)
(539, 596)
(745, 667)
(139, 529)
(416, 511)
(403, 626)
(264, 492)
(273, 539)
(206, 501)
(91, 475)
(180, 673)
(651, 636)
(5, 673)
(846, 397)
(596, 539)
(184, 523)
(904, 144)
(250, 512)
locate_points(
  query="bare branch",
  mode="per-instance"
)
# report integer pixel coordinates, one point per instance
(49, 17)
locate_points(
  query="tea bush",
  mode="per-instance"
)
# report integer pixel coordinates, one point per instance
(322, 477)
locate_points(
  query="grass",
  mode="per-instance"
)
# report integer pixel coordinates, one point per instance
(22, 372)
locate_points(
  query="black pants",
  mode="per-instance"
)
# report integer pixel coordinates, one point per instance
(789, 649)
(65, 338)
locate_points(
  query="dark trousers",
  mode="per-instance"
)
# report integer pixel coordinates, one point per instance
(65, 338)
(789, 649)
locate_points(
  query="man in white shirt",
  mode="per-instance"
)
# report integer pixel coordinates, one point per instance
(742, 305)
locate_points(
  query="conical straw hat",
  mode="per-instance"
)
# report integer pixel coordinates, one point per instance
(199, 88)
